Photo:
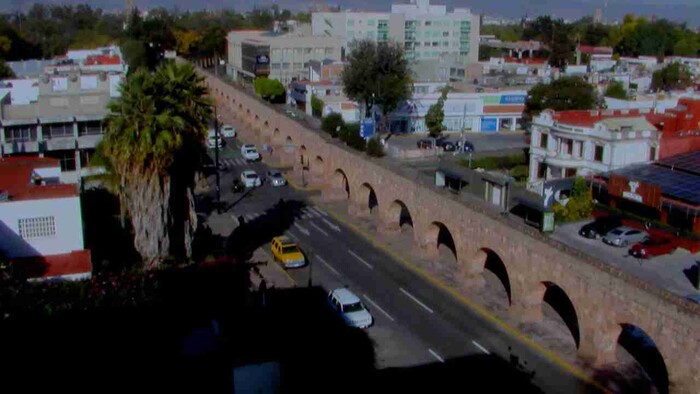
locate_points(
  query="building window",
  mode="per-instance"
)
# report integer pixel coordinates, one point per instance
(65, 157)
(39, 227)
(428, 23)
(541, 170)
(59, 84)
(570, 173)
(20, 133)
(579, 149)
(598, 153)
(652, 153)
(569, 147)
(445, 33)
(57, 130)
(544, 139)
(85, 156)
(370, 22)
(90, 128)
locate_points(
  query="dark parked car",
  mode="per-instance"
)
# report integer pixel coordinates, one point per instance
(447, 146)
(468, 146)
(600, 227)
(655, 246)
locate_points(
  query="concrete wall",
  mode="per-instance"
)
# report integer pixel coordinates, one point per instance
(604, 297)
(67, 219)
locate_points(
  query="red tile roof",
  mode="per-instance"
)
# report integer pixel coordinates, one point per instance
(590, 118)
(76, 262)
(16, 179)
(102, 60)
(503, 109)
(591, 50)
(525, 60)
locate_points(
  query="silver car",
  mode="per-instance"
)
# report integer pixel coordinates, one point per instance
(275, 178)
(623, 236)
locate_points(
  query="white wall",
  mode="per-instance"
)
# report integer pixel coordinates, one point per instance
(67, 219)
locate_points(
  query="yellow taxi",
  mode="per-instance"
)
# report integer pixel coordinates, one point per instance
(287, 252)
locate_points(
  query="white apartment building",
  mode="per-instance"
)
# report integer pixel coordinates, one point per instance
(281, 56)
(427, 32)
(41, 220)
(580, 143)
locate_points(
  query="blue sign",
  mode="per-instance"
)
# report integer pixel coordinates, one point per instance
(512, 99)
(367, 128)
(489, 124)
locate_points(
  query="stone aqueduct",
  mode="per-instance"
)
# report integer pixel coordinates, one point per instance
(604, 299)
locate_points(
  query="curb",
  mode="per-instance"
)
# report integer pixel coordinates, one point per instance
(302, 188)
(580, 374)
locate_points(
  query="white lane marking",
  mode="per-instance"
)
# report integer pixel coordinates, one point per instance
(317, 209)
(333, 270)
(331, 225)
(292, 236)
(319, 229)
(240, 162)
(437, 356)
(353, 254)
(309, 212)
(483, 349)
(302, 229)
(374, 304)
(416, 300)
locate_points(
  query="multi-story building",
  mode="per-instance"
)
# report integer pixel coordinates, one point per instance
(63, 121)
(282, 56)
(427, 32)
(582, 143)
(41, 220)
(484, 112)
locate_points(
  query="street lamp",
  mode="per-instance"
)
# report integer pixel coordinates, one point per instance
(216, 159)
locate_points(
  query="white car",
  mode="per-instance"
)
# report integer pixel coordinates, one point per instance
(249, 152)
(211, 140)
(228, 131)
(350, 308)
(250, 178)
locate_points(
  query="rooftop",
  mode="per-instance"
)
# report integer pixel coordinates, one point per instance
(18, 173)
(57, 265)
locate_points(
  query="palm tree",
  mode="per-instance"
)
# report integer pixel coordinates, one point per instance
(152, 146)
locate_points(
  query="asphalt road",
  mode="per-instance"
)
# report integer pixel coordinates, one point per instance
(415, 322)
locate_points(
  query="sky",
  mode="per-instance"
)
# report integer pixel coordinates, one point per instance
(678, 10)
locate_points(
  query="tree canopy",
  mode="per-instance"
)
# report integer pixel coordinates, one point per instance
(377, 73)
(152, 147)
(268, 89)
(673, 76)
(566, 93)
(616, 90)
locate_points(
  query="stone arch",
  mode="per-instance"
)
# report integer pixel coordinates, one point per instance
(399, 217)
(339, 186)
(438, 240)
(635, 345)
(288, 145)
(317, 169)
(495, 272)
(276, 135)
(558, 300)
(365, 202)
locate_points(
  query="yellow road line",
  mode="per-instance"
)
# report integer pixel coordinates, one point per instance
(480, 310)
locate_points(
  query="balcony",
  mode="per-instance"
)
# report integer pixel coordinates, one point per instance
(89, 141)
(59, 143)
(20, 146)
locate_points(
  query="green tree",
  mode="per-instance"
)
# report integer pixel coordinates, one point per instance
(89, 39)
(674, 76)
(333, 124)
(435, 116)
(565, 93)
(687, 46)
(351, 136)
(153, 142)
(268, 89)
(5, 71)
(616, 90)
(377, 73)
(579, 204)
(374, 147)
(316, 106)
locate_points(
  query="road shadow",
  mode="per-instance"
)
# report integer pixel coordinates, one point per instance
(111, 245)
(475, 373)
(250, 235)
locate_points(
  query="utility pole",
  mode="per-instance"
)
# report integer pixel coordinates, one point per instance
(216, 159)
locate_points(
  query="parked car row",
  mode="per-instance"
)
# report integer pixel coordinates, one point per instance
(446, 145)
(613, 233)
